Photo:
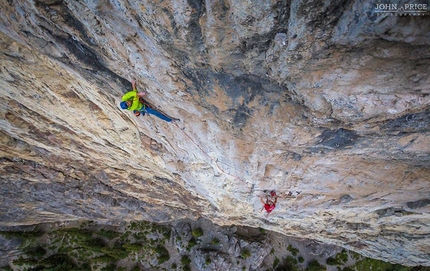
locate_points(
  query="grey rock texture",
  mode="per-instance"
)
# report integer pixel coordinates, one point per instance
(329, 99)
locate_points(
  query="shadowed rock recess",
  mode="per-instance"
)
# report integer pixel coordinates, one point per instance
(329, 99)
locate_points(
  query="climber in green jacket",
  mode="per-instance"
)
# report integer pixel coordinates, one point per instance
(134, 101)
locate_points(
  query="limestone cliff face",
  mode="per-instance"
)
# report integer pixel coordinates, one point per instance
(330, 99)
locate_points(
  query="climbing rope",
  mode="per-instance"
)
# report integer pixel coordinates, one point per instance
(210, 158)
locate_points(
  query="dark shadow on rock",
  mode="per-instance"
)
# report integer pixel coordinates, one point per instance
(392, 211)
(418, 204)
(335, 139)
(410, 123)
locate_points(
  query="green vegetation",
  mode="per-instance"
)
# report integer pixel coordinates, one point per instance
(339, 259)
(162, 254)
(367, 263)
(109, 267)
(185, 260)
(293, 250)
(245, 253)
(166, 232)
(355, 255)
(133, 247)
(262, 231)
(376, 265)
(275, 262)
(108, 234)
(24, 235)
(316, 266)
(215, 242)
(289, 263)
(197, 232)
(87, 248)
(35, 252)
(192, 243)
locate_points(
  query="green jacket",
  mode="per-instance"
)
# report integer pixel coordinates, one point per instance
(132, 96)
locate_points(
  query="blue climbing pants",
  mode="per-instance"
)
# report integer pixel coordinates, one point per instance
(158, 114)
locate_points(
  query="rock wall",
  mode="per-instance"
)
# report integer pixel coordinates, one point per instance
(327, 99)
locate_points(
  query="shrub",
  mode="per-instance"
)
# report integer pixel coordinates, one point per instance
(163, 258)
(289, 263)
(162, 254)
(58, 262)
(316, 266)
(21, 261)
(215, 242)
(398, 267)
(420, 268)
(117, 252)
(133, 247)
(102, 259)
(191, 243)
(275, 262)
(108, 234)
(372, 264)
(355, 255)
(166, 232)
(301, 260)
(332, 261)
(94, 244)
(110, 267)
(185, 260)
(35, 252)
(293, 250)
(60, 267)
(245, 253)
(197, 232)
